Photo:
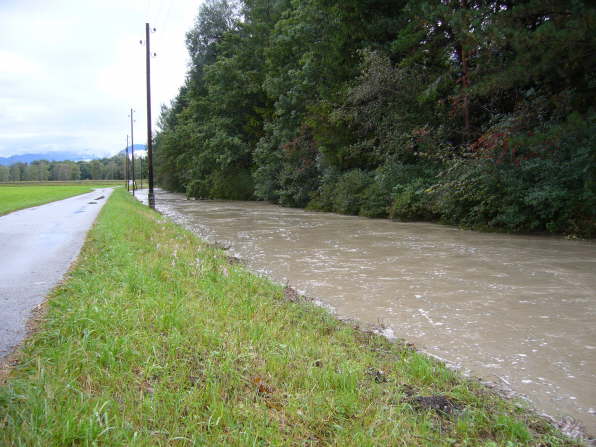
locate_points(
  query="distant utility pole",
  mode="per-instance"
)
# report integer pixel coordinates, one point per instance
(151, 196)
(141, 161)
(132, 150)
(126, 173)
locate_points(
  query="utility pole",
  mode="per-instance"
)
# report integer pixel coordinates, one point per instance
(126, 173)
(151, 196)
(141, 175)
(132, 150)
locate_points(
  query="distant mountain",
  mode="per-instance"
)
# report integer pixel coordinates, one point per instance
(49, 156)
(137, 147)
(62, 156)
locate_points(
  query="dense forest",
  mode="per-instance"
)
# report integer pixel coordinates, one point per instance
(112, 168)
(469, 112)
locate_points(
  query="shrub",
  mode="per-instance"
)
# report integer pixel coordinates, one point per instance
(235, 184)
(299, 173)
(412, 201)
(348, 197)
(537, 195)
(322, 198)
(375, 201)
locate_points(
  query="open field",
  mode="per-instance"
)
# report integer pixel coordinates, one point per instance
(16, 196)
(158, 339)
(93, 183)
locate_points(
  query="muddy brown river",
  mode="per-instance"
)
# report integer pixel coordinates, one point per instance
(519, 311)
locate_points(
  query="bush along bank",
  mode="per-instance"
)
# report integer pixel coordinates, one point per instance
(157, 339)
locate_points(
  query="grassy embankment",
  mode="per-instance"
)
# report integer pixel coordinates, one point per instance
(17, 196)
(157, 339)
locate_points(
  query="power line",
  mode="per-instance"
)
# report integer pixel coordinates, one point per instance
(164, 24)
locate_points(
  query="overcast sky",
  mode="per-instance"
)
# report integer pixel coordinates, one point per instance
(70, 70)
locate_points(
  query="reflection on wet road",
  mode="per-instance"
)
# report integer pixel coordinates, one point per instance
(517, 310)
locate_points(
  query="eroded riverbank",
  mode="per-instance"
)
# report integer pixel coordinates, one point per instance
(517, 310)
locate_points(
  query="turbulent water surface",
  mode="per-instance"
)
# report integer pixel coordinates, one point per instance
(515, 310)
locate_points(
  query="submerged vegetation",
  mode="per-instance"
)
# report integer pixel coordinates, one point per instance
(158, 339)
(474, 113)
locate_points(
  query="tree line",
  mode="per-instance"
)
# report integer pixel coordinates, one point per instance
(110, 168)
(477, 113)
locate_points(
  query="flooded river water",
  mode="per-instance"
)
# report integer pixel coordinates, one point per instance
(519, 311)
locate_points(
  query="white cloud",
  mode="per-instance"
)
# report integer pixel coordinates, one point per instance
(14, 65)
(71, 70)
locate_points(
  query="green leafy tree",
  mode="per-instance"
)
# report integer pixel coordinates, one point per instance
(4, 173)
(16, 171)
(475, 112)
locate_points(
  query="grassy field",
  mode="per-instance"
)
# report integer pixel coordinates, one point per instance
(94, 183)
(17, 196)
(158, 339)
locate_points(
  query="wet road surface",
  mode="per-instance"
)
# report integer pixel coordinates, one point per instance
(37, 246)
(516, 310)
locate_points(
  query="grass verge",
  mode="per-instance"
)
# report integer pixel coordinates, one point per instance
(13, 198)
(157, 339)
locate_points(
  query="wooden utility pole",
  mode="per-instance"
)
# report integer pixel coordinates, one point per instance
(132, 150)
(126, 173)
(151, 196)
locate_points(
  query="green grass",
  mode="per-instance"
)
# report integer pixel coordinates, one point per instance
(13, 197)
(156, 339)
(90, 183)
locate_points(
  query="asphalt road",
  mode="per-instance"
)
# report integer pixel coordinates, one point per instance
(37, 246)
